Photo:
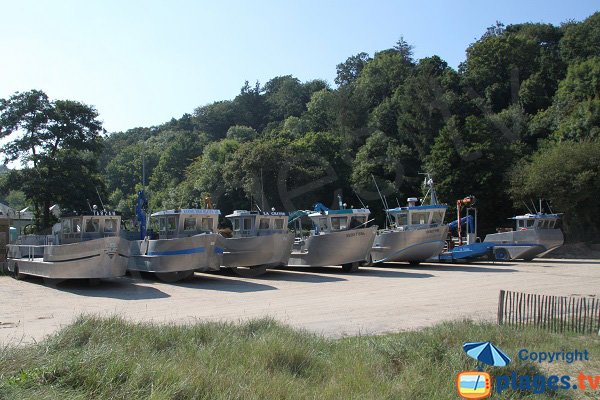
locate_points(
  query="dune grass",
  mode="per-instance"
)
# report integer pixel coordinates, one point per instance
(262, 359)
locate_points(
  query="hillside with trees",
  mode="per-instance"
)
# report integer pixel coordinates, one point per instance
(518, 121)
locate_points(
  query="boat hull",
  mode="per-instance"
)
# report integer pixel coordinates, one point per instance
(195, 253)
(269, 250)
(335, 248)
(92, 259)
(527, 243)
(410, 245)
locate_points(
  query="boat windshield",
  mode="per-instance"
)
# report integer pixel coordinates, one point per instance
(420, 218)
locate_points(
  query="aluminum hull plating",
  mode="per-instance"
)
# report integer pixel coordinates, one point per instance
(410, 245)
(195, 253)
(92, 259)
(335, 248)
(534, 242)
(270, 250)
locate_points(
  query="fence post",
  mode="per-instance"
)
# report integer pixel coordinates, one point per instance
(501, 307)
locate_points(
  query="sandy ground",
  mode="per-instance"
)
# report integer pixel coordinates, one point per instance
(324, 300)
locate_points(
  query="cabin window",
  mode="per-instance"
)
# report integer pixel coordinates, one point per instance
(323, 224)
(402, 219)
(530, 223)
(110, 225)
(76, 225)
(207, 224)
(66, 226)
(420, 218)
(356, 222)
(279, 223)
(171, 223)
(438, 217)
(162, 224)
(92, 225)
(236, 224)
(189, 224)
(520, 223)
(264, 223)
(338, 223)
(247, 224)
(551, 224)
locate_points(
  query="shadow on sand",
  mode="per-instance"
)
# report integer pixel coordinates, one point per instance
(452, 267)
(362, 271)
(297, 275)
(569, 261)
(115, 288)
(220, 282)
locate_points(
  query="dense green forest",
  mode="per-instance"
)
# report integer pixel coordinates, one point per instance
(518, 121)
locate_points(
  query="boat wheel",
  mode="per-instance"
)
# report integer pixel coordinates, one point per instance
(501, 254)
(16, 274)
(414, 262)
(250, 272)
(350, 267)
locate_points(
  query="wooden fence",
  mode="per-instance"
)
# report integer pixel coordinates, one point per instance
(554, 313)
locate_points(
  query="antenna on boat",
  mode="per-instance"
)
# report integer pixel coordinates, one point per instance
(387, 216)
(359, 199)
(525, 204)
(89, 205)
(101, 203)
(549, 208)
(429, 183)
(398, 202)
(533, 204)
(262, 192)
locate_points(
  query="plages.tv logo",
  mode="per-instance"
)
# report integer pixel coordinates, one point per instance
(478, 384)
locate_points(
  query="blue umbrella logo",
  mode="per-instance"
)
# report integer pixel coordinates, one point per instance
(487, 353)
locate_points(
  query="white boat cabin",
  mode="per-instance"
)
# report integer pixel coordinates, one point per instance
(185, 222)
(417, 217)
(254, 223)
(78, 228)
(328, 221)
(536, 221)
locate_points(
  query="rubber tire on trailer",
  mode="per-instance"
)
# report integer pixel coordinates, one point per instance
(92, 282)
(368, 263)
(16, 274)
(250, 272)
(501, 255)
(414, 262)
(350, 267)
(528, 258)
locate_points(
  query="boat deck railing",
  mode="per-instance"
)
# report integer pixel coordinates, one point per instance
(28, 251)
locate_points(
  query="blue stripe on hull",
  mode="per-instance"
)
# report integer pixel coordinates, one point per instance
(219, 250)
(177, 252)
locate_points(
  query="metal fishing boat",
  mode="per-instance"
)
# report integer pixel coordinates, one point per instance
(80, 247)
(339, 237)
(256, 241)
(534, 236)
(413, 233)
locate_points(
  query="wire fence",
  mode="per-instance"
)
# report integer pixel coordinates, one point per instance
(578, 314)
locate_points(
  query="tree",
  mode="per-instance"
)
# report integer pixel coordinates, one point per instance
(568, 175)
(581, 40)
(61, 141)
(349, 70)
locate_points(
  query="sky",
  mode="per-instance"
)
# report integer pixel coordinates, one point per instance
(141, 63)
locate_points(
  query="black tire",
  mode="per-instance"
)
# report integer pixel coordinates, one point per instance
(414, 262)
(501, 254)
(528, 259)
(250, 272)
(350, 267)
(16, 274)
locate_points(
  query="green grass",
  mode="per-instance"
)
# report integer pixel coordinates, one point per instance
(261, 359)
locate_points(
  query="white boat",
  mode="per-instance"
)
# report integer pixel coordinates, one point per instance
(186, 242)
(413, 233)
(339, 237)
(534, 236)
(257, 241)
(81, 247)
